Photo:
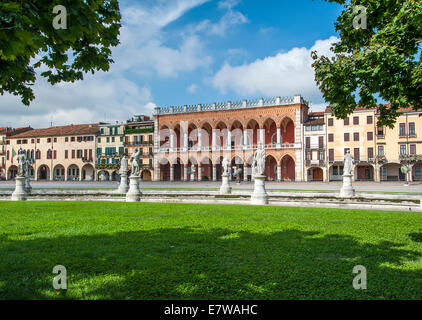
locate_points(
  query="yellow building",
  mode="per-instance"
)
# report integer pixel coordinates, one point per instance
(109, 150)
(356, 134)
(401, 146)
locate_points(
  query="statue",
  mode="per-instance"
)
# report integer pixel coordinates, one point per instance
(225, 165)
(348, 163)
(258, 164)
(22, 166)
(123, 165)
(134, 162)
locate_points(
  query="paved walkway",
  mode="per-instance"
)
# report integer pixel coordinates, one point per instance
(308, 186)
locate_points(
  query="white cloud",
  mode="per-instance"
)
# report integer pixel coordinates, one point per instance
(192, 88)
(228, 4)
(286, 73)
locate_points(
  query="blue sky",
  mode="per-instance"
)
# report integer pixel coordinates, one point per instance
(176, 52)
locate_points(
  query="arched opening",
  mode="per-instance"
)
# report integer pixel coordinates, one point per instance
(221, 134)
(164, 170)
(237, 163)
(103, 175)
(206, 133)
(252, 132)
(59, 173)
(271, 168)
(315, 174)
(178, 170)
(270, 128)
(192, 169)
(219, 168)
(206, 169)
(164, 137)
(178, 139)
(392, 172)
(12, 172)
(88, 173)
(43, 172)
(115, 176)
(287, 131)
(146, 175)
(73, 173)
(287, 168)
(192, 136)
(236, 134)
(417, 172)
(364, 173)
(336, 172)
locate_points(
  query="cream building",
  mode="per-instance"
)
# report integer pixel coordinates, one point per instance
(109, 150)
(401, 145)
(58, 153)
(356, 134)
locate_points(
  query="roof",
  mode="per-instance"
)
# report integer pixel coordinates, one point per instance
(314, 122)
(400, 110)
(316, 114)
(70, 130)
(13, 131)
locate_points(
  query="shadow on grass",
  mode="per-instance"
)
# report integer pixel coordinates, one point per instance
(189, 263)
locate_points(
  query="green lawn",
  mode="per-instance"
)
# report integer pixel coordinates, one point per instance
(184, 251)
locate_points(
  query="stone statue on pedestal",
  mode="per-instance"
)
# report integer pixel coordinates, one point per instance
(21, 192)
(259, 195)
(134, 162)
(22, 166)
(124, 165)
(225, 185)
(347, 190)
(258, 164)
(225, 165)
(348, 163)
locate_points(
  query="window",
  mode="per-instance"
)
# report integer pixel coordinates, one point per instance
(355, 120)
(330, 122)
(150, 163)
(32, 140)
(412, 149)
(112, 139)
(418, 172)
(412, 131)
(308, 142)
(331, 155)
(321, 142)
(308, 155)
(102, 130)
(346, 121)
(99, 140)
(380, 132)
(402, 129)
(383, 172)
(369, 120)
(66, 154)
(356, 136)
(347, 137)
(48, 140)
(356, 154)
(55, 139)
(150, 138)
(98, 151)
(370, 153)
(55, 154)
(380, 150)
(335, 171)
(66, 139)
(321, 155)
(331, 137)
(108, 139)
(73, 154)
(72, 139)
(402, 149)
(370, 136)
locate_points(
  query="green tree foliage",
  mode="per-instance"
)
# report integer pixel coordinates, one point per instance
(28, 41)
(382, 60)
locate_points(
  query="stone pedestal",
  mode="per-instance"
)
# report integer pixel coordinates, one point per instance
(123, 186)
(134, 194)
(347, 190)
(28, 187)
(259, 195)
(225, 186)
(20, 193)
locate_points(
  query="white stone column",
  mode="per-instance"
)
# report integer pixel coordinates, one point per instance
(171, 142)
(245, 172)
(278, 172)
(199, 140)
(214, 173)
(171, 173)
(278, 137)
(192, 175)
(261, 136)
(185, 173)
(185, 141)
(245, 139)
(199, 172)
(214, 139)
(229, 140)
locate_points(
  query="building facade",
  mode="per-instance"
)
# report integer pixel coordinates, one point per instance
(109, 150)
(63, 153)
(139, 134)
(315, 147)
(191, 141)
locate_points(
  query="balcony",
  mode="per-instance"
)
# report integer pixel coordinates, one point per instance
(138, 143)
(87, 160)
(410, 158)
(315, 163)
(225, 148)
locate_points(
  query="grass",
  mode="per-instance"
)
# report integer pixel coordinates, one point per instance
(188, 251)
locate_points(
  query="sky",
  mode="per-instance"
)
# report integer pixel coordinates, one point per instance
(185, 52)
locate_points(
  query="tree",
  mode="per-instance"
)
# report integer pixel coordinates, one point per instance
(79, 40)
(380, 60)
